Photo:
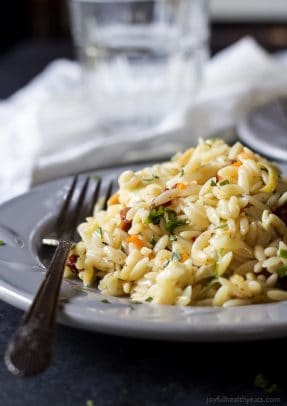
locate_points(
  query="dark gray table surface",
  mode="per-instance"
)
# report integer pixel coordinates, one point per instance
(128, 372)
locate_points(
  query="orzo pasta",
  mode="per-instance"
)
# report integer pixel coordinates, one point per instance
(206, 228)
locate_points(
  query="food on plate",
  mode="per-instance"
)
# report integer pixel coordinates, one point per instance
(207, 228)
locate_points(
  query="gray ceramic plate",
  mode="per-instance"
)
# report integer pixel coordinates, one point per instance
(24, 219)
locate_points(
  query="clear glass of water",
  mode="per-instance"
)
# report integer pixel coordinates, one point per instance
(142, 59)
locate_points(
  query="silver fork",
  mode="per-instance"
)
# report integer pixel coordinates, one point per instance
(30, 349)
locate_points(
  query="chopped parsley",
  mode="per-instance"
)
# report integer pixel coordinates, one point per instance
(182, 172)
(220, 252)
(2, 243)
(175, 256)
(170, 218)
(172, 221)
(99, 230)
(262, 383)
(166, 263)
(211, 141)
(154, 177)
(224, 182)
(105, 301)
(149, 299)
(173, 237)
(271, 389)
(282, 272)
(283, 253)
(155, 215)
(221, 226)
(153, 241)
(212, 183)
(135, 301)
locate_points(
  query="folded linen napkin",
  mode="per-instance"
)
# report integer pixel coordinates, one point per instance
(48, 131)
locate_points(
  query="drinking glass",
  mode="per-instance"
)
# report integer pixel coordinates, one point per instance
(142, 59)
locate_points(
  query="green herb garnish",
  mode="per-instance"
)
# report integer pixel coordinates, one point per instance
(182, 172)
(282, 272)
(283, 253)
(264, 384)
(220, 252)
(166, 263)
(271, 389)
(99, 230)
(175, 256)
(260, 381)
(135, 301)
(212, 140)
(153, 241)
(151, 179)
(149, 299)
(169, 216)
(172, 222)
(221, 226)
(2, 242)
(105, 301)
(173, 237)
(212, 183)
(155, 214)
(224, 182)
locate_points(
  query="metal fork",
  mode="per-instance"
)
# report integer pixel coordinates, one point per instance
(30, 349)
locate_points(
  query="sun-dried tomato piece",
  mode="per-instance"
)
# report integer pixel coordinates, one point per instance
(265, 273)
(125, 223)
(166, 204)
(281, 212)
(71, 263)
(282, 282)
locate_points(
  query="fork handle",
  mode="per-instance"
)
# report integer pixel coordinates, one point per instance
(30, 349)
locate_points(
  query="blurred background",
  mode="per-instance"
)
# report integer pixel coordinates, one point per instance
(37, 31)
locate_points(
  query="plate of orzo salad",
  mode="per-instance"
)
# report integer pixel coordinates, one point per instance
(194, 248)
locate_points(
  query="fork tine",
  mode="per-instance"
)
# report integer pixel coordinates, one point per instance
(108, 194)
(69, 217)
(78, 210)
(95, 197)
(88, 209)
(60, 224)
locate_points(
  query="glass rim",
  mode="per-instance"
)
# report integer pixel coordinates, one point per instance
(127, 1)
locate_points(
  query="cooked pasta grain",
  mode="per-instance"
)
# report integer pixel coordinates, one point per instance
(204, 229)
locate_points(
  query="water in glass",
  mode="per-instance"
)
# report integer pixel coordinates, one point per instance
(142, 59)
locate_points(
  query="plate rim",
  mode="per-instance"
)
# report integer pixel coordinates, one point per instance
(137, 327)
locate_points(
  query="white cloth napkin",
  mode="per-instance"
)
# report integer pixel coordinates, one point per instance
(47, 129)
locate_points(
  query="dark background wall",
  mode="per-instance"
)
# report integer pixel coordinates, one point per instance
(21, 20)
(24, 20)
